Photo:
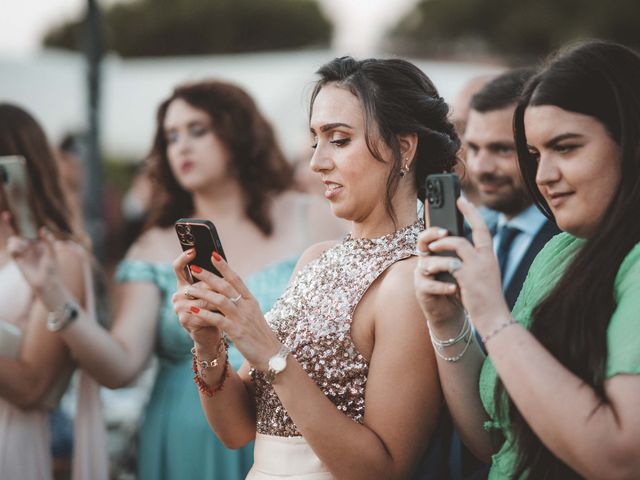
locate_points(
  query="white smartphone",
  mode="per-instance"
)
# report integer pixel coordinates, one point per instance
(14, 179)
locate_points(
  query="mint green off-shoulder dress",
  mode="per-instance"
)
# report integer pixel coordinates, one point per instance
(623, 333)
(176, 442)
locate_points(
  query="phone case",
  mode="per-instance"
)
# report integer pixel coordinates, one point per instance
(202, 235)
(443, 190)
(15, 183)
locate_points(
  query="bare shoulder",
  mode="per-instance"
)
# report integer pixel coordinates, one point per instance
(158, 244)
(396, 287)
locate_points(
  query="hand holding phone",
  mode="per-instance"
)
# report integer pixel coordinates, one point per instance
(14, 178)
(443, 190)
(201, 235)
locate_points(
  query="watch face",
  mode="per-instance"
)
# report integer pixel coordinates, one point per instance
(277, 363)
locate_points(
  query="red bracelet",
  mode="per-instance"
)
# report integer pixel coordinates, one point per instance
(200, 383)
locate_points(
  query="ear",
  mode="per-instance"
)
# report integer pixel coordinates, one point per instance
(408, 145)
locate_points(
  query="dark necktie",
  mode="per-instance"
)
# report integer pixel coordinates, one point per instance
(506, 235)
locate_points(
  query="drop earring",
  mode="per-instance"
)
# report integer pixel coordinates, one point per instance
(403, 170)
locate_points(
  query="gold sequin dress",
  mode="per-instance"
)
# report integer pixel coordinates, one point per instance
(313, 318)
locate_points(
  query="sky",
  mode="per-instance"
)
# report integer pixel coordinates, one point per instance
(359, 24)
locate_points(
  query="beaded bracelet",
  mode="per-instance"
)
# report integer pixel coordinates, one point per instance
(441, 344)
(199, 378)
(457, 357)
(497, 330)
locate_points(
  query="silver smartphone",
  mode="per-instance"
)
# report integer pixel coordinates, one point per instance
(14, 179)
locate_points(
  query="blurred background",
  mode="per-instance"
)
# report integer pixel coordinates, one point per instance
(93, 72)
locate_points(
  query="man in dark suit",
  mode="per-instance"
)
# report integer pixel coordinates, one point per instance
(521, 229)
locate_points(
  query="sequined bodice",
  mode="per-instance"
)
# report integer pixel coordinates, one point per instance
(313, 318)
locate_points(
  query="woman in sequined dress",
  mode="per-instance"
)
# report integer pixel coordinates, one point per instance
(327, 391)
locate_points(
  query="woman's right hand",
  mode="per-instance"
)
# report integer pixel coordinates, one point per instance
(440, 301)
(204, 335)
(36, 259)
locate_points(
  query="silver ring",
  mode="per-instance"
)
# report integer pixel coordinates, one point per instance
(236, 299)
(421, 253)
(186, 293)
(454, 265)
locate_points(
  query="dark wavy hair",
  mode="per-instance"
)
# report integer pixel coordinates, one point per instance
(397, 98)
(21, 134)
(598, 79)
(256, 158)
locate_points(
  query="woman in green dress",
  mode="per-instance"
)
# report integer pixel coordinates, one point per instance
(214, 157)
(558, 393)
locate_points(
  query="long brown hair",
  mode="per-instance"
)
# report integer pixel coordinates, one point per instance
(256, 158)
(598, 79)
(20, 134)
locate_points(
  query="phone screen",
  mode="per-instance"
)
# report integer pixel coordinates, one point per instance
(15, 186)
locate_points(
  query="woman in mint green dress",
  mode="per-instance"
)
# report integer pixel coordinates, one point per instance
(214, 157)
(558, 393)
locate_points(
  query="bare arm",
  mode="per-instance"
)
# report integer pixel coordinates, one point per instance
(597, 440)
(231, 411)
(402, 395)
(396, 428)
(112, 358)
(43, 357)
(442, 307)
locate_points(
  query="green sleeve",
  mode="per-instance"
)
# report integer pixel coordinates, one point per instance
(623, 334)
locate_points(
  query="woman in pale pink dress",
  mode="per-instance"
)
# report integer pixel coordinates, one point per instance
(35, 365)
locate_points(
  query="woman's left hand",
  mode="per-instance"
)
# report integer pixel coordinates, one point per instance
(478, 275)
(238, 313)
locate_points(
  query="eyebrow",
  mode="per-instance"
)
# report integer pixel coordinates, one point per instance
(331, 126)
(560, 138)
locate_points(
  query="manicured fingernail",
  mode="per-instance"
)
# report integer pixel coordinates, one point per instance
(196, 269)
(190, 251)
(216, 256)
(442, 232)
(194, 309)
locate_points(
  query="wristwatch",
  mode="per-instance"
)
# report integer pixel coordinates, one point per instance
(277, 364)
(59, 319)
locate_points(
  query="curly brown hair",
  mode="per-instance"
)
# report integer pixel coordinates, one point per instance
(256, 158)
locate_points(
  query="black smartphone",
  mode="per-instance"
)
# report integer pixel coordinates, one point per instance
(201, 235)
(15, 186)
(442, 192)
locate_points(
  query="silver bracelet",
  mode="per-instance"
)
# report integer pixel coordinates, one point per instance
(457, 357)
(440, 344)
(497, 330)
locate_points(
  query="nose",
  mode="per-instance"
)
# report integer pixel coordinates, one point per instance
(320, 160)
(548, 171)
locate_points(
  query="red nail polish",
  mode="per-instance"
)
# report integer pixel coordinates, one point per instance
(216, 257)
(196, 269)
(195, 309)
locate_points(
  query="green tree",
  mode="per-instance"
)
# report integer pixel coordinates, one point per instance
(190, 27)
(529, 28)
